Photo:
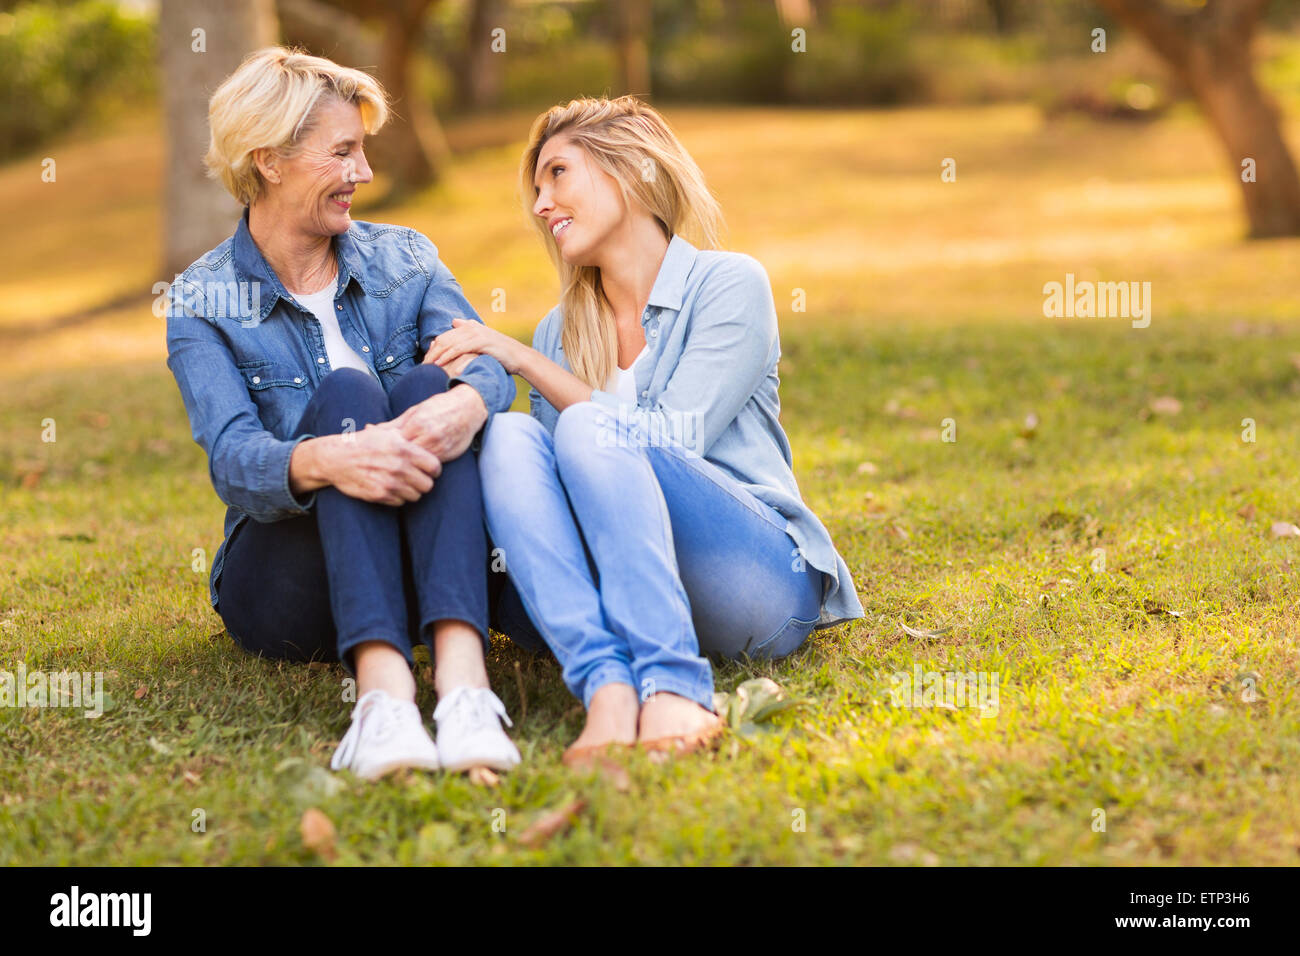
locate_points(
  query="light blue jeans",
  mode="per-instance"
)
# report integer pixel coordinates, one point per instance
(633, 559)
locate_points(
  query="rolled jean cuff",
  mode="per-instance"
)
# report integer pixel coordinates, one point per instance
(454, 614)
(609, 673)
(401, 642)
(699, 691)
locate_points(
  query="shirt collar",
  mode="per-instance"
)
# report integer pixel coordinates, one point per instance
(251, 265)
(670, 284)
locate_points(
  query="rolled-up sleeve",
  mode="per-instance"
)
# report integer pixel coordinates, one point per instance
(443, 301)
(248, 465)
(546, 341)
(728, 347)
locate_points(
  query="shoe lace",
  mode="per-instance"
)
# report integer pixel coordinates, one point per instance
(376, 715)
(469, 706)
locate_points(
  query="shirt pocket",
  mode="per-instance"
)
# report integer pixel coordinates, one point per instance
(280, 392)
(398, 356)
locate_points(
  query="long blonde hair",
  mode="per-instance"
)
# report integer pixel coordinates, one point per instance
(630, 141)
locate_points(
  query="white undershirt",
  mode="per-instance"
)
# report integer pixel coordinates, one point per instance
(340, 354)
(622, 383)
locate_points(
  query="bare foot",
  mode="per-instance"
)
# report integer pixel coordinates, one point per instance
(611, 721)
(669, 721)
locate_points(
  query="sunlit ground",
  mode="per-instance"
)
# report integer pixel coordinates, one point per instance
(1098, 536)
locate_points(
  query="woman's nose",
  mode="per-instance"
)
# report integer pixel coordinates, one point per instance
(363, 173)
(543, 203)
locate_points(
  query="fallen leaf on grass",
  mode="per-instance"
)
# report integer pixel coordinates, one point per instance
(318, 833)
(752, 703)
(1166, 405)
(1155, 607)
(483, 777)
(1284, 529)
(1030, 427)
(911, 853)
(1247, 512)
(924, 635)
(551, 823)
(141, 691)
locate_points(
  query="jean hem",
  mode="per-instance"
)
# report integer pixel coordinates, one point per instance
(700, 693)
(605, 674)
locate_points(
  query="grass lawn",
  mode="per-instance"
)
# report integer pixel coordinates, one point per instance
(1098, 536)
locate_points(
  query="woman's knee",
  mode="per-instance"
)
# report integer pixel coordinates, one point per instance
(420, 383)
(579, 428)
(509, 437)
(348, 395)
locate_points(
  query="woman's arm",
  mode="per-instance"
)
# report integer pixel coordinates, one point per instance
(248, 465)
(269, 478)
(556, 384)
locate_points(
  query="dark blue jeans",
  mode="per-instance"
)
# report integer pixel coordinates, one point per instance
(314, 587)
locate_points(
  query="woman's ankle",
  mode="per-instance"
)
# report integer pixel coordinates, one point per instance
(381, 666)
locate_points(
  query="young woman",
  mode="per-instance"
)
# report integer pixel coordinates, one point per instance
(647, 509)
(354, 525)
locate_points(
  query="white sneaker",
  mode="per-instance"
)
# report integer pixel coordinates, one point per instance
(469, 731)
(387, 734)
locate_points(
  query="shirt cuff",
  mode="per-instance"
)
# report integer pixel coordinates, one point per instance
(289, 502)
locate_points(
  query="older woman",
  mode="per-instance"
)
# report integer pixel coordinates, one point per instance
(296, 344)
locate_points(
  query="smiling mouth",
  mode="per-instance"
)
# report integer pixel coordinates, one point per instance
(560, 226)
(343, 199)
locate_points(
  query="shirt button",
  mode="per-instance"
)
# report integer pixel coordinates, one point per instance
(365, 348)
(645, 394)
(340, 308)
(653, 333)
(257, 379)
(297, 380)
(320, 361)
(389, 359)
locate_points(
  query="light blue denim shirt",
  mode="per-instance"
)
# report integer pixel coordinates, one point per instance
(248, 357)
(709, 381)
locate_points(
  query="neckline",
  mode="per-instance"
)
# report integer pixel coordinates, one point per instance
(618, 368)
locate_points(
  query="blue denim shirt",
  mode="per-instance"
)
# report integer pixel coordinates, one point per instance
(248, 357)
(709, 382)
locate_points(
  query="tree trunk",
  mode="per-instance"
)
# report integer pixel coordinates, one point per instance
(412, 149)
(476, 68)
(198, 212)
(1209, 51)
(632, 37)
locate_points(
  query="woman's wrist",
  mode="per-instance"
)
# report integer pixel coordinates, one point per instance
(311, 465)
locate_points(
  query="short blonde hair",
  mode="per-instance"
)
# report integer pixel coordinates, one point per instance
(270, 102)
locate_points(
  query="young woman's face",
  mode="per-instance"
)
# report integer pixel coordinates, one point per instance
(316, 185)
(578, 201)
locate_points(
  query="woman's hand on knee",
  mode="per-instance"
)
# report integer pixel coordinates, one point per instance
(382, 465)
(445, 424)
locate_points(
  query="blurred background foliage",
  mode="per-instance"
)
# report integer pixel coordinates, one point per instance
(63, 64)
(66, 63)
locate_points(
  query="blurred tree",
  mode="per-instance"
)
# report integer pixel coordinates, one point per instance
(1004, 15)
(476, 69)
(197, 50)
(412, 149)
(1208, 47)
(632, 19)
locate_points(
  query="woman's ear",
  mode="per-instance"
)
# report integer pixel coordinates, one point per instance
(267, 164)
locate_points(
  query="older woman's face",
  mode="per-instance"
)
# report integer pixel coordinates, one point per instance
(316, 184)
